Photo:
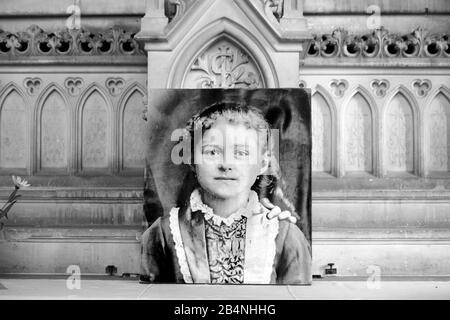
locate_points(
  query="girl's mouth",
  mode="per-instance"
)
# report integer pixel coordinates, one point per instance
(224, 178)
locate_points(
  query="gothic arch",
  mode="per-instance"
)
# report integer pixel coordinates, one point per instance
(216, 31)
(121, 122)
(328, 98)
(47, 134)
(23, 140)
(44, 95)
(366, 95)
(443, 90)
(106, 122)
(391, 130)
(87, 92)
(135, 86)
(409, 97)
(12, 87)
(373, 131)
(330, 105)
(436, 144)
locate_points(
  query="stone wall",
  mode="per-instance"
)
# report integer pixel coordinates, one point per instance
(71, 121)
(70, 115)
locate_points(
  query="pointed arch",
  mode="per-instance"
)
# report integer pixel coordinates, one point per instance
(400, 136)
(367, 96)
(359, 132)
(440, 90)
(135, 86)
(48, 90)
(131, 129)
(14, 128)
(323, 116)
(409, 96)
(94, 128)
(87, 92)
(52, 118)
(223, 29)
(327, 96)
(437, 132)
(11, 86)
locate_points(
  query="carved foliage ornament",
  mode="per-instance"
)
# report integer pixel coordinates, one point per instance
(37, 42)
(274, 7)
(174, 9)
(225, 66)
(380, 43)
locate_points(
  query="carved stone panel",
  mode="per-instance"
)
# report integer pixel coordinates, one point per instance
(358, 135)
(32, 85)
(338, 87)
(13, 126)
(223, 65)
(34, 41)
(400, 135)
(95, 131)
(133, 132)
(380, 42)
(54, 124)
(321, 134)
(439, 134)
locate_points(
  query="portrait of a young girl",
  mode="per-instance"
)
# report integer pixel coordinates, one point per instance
(220, 232)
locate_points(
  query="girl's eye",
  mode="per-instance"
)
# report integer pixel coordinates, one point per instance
(211, 152)
(241, 153)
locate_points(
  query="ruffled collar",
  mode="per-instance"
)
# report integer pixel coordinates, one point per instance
(253, 207)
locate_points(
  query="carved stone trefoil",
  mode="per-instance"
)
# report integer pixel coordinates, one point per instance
(380, 87)
(421, 87)
(32, 85)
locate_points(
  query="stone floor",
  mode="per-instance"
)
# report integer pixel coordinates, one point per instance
(117, 288)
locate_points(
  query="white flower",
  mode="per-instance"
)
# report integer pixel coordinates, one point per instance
(19, 182)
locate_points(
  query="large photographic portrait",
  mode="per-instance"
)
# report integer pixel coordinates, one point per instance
(228, 187)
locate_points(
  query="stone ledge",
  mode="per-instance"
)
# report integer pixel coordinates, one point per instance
(51, 288)
(83, 233)
(55, 256)
(365, 236)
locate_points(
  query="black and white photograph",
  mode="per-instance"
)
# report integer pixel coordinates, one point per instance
(222, 182)
(224, 158)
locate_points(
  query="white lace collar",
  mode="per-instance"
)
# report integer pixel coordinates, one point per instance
(253, 207)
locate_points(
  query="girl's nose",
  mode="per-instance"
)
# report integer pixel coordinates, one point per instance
(224, 167)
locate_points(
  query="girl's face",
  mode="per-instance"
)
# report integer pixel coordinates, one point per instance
(228, 159)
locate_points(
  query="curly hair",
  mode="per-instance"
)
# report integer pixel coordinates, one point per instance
(235, 113)
(267, 185)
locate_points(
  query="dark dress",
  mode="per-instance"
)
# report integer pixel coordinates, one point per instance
(192, 246)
